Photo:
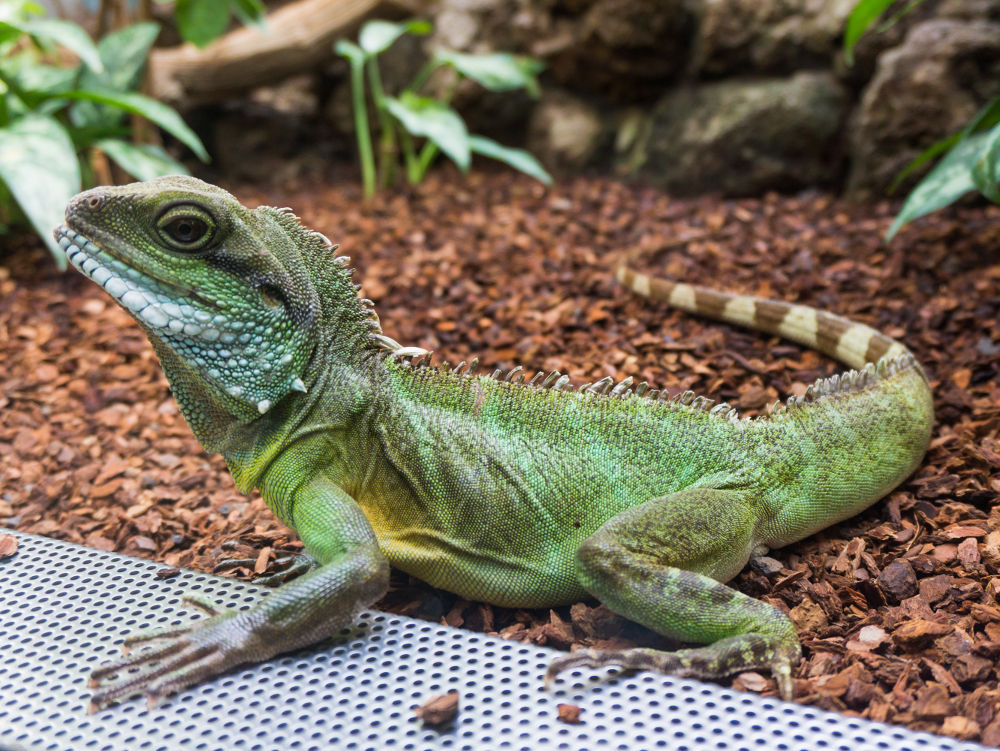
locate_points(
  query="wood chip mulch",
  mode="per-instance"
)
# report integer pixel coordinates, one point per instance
(897, 608)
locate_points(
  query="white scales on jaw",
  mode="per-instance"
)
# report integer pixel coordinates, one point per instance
(226, 350)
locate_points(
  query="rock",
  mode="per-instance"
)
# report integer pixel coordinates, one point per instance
(898, 581)
(565, 131)
(923, 90)
(626, 50)
(745, 137)
(772, 36)
(970, 10)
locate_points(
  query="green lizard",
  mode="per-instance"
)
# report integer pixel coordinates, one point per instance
(522, 493)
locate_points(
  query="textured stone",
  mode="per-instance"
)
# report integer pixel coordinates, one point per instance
(744, 137)
(772, 36)
(923, 90)
(565, 131)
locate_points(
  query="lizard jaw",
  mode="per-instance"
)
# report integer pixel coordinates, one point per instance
(138, 293)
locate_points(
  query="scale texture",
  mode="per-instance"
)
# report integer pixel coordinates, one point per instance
(518, 492)
(64, 607)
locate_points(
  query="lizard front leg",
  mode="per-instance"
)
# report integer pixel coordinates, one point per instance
(353, 573)
(660, 564)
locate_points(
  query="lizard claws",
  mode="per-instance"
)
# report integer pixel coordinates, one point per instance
(591, 658)
(290, 566)
(690, 663)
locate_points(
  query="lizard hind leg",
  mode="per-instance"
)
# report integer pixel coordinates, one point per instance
(660, 563)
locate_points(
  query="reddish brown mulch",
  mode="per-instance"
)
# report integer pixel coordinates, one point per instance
(897, 608)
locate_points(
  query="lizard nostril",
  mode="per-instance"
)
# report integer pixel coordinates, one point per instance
(94, 202)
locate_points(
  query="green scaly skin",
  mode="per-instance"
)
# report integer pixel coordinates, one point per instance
(519, 494)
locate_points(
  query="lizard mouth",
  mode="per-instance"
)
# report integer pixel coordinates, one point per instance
(150, 301)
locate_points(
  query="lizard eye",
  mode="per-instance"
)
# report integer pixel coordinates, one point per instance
(186, 228)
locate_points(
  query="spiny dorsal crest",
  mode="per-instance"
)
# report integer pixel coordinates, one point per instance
(850, 381)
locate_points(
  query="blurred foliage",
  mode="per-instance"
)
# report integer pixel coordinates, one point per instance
(201, 21)
(411, 115)
(969, 159)
(55, 112)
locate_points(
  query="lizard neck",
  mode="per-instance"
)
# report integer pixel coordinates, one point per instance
(340, 358)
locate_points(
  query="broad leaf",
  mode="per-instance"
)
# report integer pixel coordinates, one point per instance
(35, 82)
(423, 116)
(142, 161)
(948, 181)
(150, 109)
(984, 171)
(40, 168)
(67, 34)
(519, 159)
(500, 71)
(201, 21)
(378, 36)
(350, 50)
(865, 13)
(987, 117)
(124, 55)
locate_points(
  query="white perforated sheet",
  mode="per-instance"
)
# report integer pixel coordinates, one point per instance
(65, 608)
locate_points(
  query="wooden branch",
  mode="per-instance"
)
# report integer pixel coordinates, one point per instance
(297, 37)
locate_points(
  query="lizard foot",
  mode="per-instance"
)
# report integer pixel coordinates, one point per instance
(723, 658)
(178, 656)
(289, 566)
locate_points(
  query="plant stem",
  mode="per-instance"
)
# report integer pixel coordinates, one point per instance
(413, 172)
(430, 149)
(387, 135)
(422, 75)
(361, 129)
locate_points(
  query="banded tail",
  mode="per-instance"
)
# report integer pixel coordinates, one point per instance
(852, 343)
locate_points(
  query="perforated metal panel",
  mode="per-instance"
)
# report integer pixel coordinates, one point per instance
(65, 608)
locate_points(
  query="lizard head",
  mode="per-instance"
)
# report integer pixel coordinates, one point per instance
(222, 291)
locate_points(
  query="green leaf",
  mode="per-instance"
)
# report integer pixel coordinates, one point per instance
(201, 21)
(142, 161)
(984, 171)
(67, 34)
(499, 71)
(19, 10)
(987, 117)
(40, 168)
(34, 82)
(150, 109)
(351, 51)
(519, 159)
(929, 154)
(949, 180)
(250, 12)
(897, 15)
(378, 36)
(124, 54)
(864, 15)
(423, 116)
